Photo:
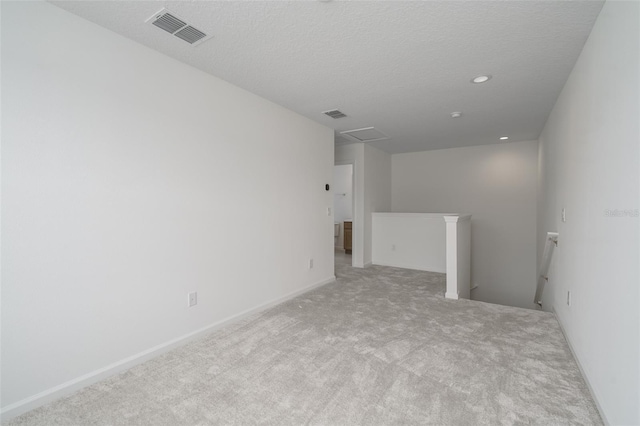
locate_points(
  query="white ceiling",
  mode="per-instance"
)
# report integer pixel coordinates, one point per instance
(400, 66)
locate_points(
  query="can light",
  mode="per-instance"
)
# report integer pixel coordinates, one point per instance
(504, 138)
(481, 79)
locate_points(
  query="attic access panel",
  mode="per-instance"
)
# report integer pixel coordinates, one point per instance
(366, 134)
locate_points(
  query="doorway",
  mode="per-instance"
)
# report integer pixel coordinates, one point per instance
(343, 207)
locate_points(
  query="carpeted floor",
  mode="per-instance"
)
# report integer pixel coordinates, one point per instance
(380, 346)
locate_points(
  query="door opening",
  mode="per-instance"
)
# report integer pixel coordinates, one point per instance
(343, 200)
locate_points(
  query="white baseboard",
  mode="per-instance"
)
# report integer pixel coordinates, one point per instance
(584, 376)
(85, 380)
(454, 296)
(368, 264)
(414, 267)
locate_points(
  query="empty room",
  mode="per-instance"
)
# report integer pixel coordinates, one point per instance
(320, 212)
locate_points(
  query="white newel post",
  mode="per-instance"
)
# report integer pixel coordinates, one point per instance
(458, 256)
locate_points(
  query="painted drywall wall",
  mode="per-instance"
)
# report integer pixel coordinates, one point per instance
(130, 179)
(377, 191)
(589, 166)
(496, 184)
(410, 240)
(354, 154)
(342, 198)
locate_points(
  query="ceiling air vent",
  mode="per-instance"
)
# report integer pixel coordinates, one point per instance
(172, 24)
(168, 22)
(190, 34)
(335, 114)
(366, 134)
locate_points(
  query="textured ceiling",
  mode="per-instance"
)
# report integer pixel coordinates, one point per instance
(399, 66)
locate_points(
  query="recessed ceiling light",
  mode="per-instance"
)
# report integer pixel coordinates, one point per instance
(481, 79)
(504, 138)
(456, 114)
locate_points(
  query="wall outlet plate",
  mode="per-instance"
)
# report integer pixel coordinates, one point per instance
(193, 299)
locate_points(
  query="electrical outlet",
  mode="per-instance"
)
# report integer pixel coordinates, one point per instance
(310, 263)
(564, 215)
(568, 298)
(328, 211)
(193, 299)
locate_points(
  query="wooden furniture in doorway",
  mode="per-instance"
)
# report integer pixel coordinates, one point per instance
(347, 237)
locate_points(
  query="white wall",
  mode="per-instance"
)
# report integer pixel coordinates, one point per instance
(410, 240)
(496, 184)
(117, 202)
(342, 198)
(372, 193)
(377, 191)
(589, 164)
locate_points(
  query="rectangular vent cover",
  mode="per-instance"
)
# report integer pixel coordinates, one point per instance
(172, 24)
(169, 23)
(366, 134)
(335, 114)
(190, 34)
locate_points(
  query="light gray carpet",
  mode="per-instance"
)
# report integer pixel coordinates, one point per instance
(381, 346)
